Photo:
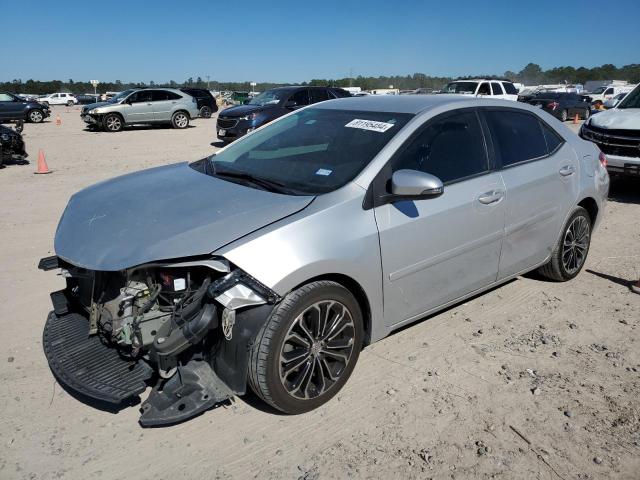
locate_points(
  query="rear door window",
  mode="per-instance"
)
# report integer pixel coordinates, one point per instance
(451, 147)
(319, 95)
(552, 138)
(301, 97)
(517, 136)
(496, 88)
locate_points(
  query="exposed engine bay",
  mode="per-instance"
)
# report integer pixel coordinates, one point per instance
(170, 323)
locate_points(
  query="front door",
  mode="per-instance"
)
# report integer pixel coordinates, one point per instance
(437, 250)
(139, 108)
(540, 172)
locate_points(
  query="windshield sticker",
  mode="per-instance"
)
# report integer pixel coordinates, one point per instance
(369, 125)
(324, 172)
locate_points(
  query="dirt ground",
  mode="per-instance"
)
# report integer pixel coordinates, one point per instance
(531, 380)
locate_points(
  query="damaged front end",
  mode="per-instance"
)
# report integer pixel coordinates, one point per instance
(184, 327)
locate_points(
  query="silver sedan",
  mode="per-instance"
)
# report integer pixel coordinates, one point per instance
(275, 261)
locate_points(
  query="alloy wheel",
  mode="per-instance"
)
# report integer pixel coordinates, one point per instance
(35, 116)
(181, 120)
(316, 349)
(575, 244)
(113, 123)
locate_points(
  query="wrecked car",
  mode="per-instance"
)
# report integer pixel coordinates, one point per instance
(12, 146)
(272, 263)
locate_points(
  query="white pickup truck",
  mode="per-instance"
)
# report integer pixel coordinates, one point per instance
(617, 133)
(607, 92)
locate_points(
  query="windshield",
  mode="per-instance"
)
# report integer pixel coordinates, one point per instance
(312, 151)
(631, 100)
(270, 97)
(119, 97)
(460, 87)
(599, 90)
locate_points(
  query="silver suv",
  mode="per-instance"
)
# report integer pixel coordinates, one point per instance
(142, 106)
(275, 261)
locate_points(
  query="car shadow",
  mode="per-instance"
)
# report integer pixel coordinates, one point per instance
(218, 143)
(611, 278)
(133, 128)
(14, 161)
(625, 190)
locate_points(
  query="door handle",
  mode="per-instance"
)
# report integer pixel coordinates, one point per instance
(491, 197)
(567, 170)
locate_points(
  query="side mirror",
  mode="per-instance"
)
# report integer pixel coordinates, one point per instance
(413, 184)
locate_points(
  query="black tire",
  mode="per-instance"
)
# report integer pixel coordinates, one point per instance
(564, 115)
(35, 116)
(112, 122)
(557, 268)
(205, 112)
(275, 339)
(587, 114)
(180, 120)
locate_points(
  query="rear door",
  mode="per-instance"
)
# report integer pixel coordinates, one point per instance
(139, 108)
(437, 250)
(163, 103)
(540, 172)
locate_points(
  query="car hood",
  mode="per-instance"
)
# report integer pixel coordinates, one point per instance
(90, 106)
(242, 110)
(617, 119)
(163, 213)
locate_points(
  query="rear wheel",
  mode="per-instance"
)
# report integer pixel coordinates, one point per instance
(205, 112)
(308, 347)
(36, 116)
(112, 122)
(180, 120)
(570, 254)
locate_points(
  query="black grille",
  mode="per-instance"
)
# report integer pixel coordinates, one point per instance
(227, 122)
(623, 143)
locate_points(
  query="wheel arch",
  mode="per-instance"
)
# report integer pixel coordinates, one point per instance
(591, 206)
(358, 292)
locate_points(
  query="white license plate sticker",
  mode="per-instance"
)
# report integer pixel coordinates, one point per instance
(222, 132)
(369, 125)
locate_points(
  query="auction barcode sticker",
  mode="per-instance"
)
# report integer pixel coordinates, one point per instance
(369, 125)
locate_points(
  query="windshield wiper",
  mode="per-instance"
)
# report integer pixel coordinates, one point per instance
(266, 184)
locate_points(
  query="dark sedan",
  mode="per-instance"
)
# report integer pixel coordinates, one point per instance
(237, 121)
(563, 106)
(15, 109)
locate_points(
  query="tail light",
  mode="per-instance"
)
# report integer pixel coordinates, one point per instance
(603, 159)
(553, 105)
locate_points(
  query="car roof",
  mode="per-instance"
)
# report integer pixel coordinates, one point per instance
(400, 103)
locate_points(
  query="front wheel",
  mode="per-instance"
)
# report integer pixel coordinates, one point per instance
(570, 254)
(180, 120)
(308, 347)
(112, 122)
(36, 116)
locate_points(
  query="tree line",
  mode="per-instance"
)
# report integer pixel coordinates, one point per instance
(532, 74)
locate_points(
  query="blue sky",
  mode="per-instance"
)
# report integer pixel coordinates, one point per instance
(293, 41)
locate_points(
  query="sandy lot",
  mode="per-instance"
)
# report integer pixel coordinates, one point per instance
(531, 380)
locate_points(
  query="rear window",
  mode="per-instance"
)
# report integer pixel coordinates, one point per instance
(510, 88)
(517, 136)
(552, 138)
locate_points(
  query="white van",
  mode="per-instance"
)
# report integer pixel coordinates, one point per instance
(607, 92)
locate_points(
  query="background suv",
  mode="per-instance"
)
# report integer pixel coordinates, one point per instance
(206, 103)
(143, 106)
(493, 88)
(14, 108)
(236, 121)
(59, 99)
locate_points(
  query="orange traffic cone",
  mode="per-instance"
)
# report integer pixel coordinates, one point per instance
(58, 120)
(576, 119)
(42, 164)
